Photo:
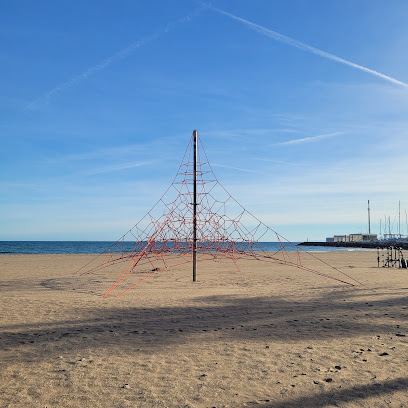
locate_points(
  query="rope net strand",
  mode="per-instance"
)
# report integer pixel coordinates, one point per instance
(225, 233)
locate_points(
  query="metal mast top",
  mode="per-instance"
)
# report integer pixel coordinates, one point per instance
(369, 226)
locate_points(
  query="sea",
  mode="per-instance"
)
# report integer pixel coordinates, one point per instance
(96, 247)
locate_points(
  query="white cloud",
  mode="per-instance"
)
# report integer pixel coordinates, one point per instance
(117, 167)
(114, 153)
(245, 133)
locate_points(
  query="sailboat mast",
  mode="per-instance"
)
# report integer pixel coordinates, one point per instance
(369, 227)
(406, 221)
(399, 219)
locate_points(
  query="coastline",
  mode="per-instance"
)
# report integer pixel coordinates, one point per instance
(97, 247)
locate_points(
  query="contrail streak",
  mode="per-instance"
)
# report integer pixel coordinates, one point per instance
(119, 55)
(305, 47)
(235, 168)
(310, 139)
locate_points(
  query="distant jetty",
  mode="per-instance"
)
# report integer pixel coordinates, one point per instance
(359, 244)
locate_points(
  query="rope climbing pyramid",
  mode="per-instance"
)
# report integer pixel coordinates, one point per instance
(196, 220)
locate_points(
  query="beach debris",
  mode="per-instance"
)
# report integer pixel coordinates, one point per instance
(384, 354)
(125, 386)
(337, 367)
(328, 379)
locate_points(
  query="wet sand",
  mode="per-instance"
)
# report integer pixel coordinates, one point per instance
(266, 336)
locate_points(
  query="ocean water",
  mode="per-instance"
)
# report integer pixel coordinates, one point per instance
(96, 247)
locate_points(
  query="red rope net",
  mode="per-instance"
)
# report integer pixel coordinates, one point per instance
(225, 232)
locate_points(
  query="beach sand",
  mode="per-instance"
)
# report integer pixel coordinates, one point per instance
(266, 336)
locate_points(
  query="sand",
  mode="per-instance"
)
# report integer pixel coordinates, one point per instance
(268, 336)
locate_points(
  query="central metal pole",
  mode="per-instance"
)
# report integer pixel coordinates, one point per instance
(195, 210)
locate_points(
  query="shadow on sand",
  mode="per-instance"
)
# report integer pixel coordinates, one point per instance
(244, 319)
(347, 395)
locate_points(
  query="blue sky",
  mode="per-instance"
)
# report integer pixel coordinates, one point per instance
(302, 107)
